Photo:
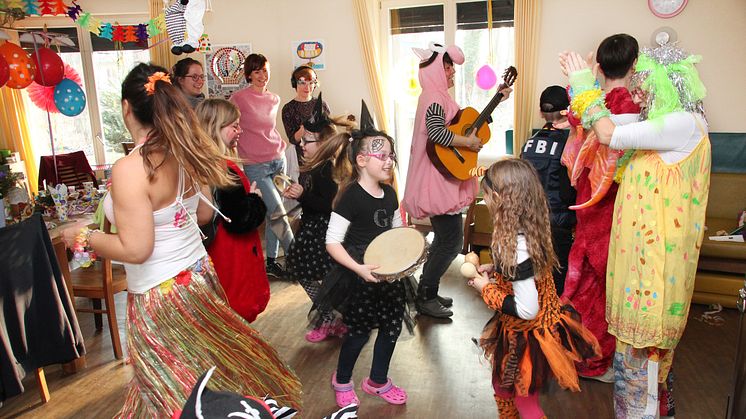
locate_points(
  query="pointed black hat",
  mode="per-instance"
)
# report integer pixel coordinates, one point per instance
(319, 119)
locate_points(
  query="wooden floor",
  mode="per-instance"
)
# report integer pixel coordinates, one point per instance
(439, 367)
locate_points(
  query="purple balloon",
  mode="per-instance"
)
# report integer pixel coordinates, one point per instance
(486, 77)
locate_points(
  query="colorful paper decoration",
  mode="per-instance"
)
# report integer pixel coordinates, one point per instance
(73, 11)
(95, 26)
(107, 31)
(31, 7)
(59, 7)
(129, 34)
(118, 34)
(84, 20)
(45, 7)
(142, 32)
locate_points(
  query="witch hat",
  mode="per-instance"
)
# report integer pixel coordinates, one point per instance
(319, 119)
(366, 120)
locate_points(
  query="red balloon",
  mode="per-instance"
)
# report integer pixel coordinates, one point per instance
(21, 67)
(50, 70)
(4, 71)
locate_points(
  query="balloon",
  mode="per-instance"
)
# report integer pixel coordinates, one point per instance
(50, 70)
(4, 71)
(69, 98)
(20, 64)
(486, 77)
(43, 96)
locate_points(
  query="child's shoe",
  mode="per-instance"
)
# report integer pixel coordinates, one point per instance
(318, 334)
(338, 329)
(344, 393)
(389, 392)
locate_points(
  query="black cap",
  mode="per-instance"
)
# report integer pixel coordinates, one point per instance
(319, 119)
(554, 99)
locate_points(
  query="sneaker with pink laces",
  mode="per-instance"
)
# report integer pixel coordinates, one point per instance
(318, 334)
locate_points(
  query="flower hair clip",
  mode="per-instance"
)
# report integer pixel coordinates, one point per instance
(150, 85)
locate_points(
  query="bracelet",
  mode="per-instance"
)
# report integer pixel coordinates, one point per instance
(83, 255)
(588, 121)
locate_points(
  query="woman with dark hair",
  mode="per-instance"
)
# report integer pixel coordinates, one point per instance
(179, 324)
(261, 149)
(300, 108)
(189, 76)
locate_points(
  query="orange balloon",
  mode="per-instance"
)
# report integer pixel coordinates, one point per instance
(21, 66)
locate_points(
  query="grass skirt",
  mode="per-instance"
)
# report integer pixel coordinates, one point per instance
(179, 329)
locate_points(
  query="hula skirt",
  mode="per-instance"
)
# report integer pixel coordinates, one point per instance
(179, 329)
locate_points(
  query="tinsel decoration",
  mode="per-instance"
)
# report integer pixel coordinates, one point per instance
(668, 74)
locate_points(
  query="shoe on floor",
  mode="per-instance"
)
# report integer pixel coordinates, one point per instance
(275, 269)
(607, 377)
(433, 308)
(319, 334)
(445, 301)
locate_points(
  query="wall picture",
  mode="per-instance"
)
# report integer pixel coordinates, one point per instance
(310, 53)
(224, 69)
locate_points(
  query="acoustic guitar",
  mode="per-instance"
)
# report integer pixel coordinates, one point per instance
(460, 162)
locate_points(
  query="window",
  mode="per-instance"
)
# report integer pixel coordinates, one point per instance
(69, 134)
(99, 129)
(414, 23)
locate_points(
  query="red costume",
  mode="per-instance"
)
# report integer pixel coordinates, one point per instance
(585, 285)
(236, 250)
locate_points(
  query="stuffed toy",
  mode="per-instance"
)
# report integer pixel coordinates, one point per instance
(184, 25)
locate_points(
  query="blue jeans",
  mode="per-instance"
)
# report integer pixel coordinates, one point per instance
(262, 174)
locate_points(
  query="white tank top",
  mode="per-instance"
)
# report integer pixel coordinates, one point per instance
(178, 241)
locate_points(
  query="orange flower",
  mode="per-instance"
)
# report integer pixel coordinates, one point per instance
(150, 85)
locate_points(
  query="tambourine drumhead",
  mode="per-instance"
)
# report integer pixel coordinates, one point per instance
(282, 182)
(395, 251)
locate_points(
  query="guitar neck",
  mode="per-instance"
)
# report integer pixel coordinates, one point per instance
(485, 114)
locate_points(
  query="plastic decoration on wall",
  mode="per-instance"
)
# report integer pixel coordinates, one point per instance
(69, 98)
(21, 67)
(139, 33)
(225, 69)
(310, 53)
(43, 96)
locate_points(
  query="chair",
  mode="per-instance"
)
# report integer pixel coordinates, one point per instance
(101, 282)
(477, 227)
(127, 147)
(72, 170)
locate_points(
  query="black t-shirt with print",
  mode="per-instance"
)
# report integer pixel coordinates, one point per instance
(368, 216)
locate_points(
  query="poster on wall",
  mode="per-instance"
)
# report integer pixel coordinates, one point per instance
(224, 68)
(310, 53)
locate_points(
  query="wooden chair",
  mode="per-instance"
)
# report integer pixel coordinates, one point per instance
(477, 227)
(101, 282)
(127, 147)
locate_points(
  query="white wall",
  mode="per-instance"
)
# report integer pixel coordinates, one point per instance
(716, 30)
(271, 26)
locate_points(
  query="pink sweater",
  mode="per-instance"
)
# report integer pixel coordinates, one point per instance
(259, 142)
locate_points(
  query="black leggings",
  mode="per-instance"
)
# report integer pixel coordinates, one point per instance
(382, 353)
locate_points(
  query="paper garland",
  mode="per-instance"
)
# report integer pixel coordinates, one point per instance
(112, 31)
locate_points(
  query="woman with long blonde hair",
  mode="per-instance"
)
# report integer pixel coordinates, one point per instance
(531, 337)
(179, 324)
(235, 247)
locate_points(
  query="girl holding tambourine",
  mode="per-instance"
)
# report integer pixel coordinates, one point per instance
(364, 208)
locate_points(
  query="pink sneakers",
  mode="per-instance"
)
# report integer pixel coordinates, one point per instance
(320, 333)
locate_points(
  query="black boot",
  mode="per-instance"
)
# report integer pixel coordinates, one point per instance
(429, 304)
(445, 301)
(275, 269)
(433, 308)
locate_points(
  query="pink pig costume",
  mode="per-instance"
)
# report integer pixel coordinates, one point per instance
(428, 193)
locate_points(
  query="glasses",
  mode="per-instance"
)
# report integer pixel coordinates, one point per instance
(382, 156)
(304, 141)
(302, 82)
(196, 77)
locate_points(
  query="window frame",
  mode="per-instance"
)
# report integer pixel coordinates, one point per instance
(86, 52)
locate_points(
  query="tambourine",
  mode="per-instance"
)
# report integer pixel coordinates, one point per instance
(397, 253)
(282, 182)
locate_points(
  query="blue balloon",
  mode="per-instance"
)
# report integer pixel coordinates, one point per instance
(69, 98)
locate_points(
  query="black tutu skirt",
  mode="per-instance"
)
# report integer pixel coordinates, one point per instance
(307, 258)
(366, 305)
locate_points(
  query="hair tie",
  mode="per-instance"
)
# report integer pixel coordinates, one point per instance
(150, 85)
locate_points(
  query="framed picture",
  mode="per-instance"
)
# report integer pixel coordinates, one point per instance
(224, 69)
(310, 53)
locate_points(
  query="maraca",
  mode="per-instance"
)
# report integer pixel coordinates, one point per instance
(469, 267)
